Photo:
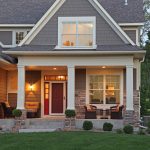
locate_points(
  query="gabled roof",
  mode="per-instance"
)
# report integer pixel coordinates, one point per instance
(30, 11)
(56, 6)
(131, 13)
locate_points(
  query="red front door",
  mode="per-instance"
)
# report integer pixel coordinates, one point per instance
(57, 98)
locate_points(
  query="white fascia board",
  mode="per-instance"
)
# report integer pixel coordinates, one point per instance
(131, 24)
(42, 22)
(6, 46)
(25, 53)
(4, 61)
(111, 22)
(17, 25)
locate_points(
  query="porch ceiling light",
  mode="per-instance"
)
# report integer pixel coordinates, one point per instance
(103, 67)
(31, 87)
(54, 68)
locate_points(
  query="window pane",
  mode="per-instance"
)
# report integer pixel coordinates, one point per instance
(85, 40)
(19, 37)
(96, 97)
(69, 40)
(112, 82)
(112, 97)
(69, 28)
(85, 28)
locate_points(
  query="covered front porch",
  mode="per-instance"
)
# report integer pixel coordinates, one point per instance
(48, 85)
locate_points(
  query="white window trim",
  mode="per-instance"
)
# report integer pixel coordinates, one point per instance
(136, 29)
(76, 19)
(120, 73)
(13, 36)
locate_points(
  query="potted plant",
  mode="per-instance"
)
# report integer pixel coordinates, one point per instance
(17, 113)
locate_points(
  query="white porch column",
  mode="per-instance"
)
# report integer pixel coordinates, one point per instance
(129, 87)
(21, 87)
(71, 88)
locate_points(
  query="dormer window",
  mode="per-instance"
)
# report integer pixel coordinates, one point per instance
(76, 32)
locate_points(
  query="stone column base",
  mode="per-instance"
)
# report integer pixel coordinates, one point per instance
(69, 123)
(20, 122)
(128, 117)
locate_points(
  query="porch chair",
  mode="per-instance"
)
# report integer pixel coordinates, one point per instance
(6, 110)
(90, 112)
(116, 112)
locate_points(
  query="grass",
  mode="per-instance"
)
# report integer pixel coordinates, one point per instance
(74, 141)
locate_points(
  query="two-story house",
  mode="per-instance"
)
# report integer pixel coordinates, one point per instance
(67, 54)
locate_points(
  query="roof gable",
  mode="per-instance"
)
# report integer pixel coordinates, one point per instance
(56, 7)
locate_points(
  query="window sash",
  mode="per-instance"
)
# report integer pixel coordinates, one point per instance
(105, 90)
(77, 35)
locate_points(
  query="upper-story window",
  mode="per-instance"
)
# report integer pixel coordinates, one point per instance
(76, 32)
(19, 36)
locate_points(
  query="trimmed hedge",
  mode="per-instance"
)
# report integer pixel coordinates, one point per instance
(87, 125)
(70, 113)
(17, 112)
(107, 126)
(128, 129)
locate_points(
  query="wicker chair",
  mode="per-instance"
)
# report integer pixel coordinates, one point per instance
(116, 112)
(90, 113)
(6, 110)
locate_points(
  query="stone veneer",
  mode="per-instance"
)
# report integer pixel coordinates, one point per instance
(133, 117)
(130, 117)
(19, 122)
(80, 102)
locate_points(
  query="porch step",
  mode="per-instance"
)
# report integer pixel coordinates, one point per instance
(36, 130)
(45, 124)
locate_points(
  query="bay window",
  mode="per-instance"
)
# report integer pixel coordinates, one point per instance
(76, 32)
(104, 89)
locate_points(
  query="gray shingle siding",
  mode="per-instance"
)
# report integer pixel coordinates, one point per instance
(6, 37)
(30, 11)
(131, 34)
(105, 35)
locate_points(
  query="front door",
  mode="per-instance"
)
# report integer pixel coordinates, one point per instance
(57, 98)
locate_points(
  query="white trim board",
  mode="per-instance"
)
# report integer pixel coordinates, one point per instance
(42, 22)
(111, 22)
(17, 25)
(58, 3)
(131, 24)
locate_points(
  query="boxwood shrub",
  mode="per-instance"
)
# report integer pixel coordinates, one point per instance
(87, 125)
(107, 126)
(128, 129)
(70, 113)
(17, 112)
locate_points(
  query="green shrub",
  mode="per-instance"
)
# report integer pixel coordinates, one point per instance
(141, 132)
(70, 113)
(148, 125)
(17, 113)
(128, 129)
(148, 130)
(107, 126)
(119, 131)
(87, 125)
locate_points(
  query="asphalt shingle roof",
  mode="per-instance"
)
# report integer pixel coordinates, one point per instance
(30, 11)
(99, 48)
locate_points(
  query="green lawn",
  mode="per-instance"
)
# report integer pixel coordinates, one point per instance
(73, 141)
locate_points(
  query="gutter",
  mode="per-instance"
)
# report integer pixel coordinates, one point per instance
(22, 53)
